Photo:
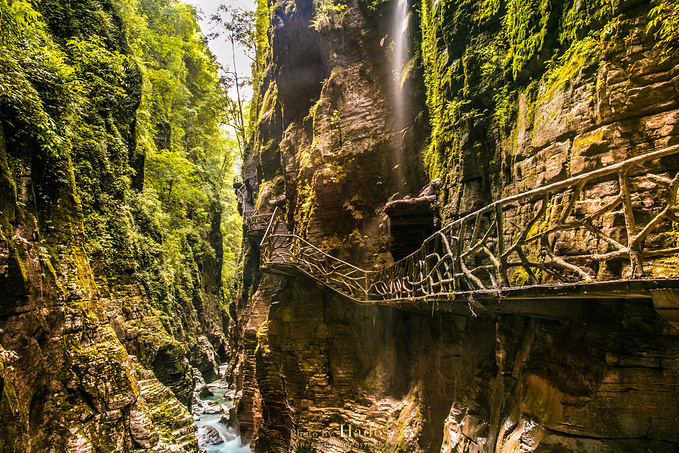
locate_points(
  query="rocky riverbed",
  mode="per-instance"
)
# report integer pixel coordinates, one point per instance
(210, 410)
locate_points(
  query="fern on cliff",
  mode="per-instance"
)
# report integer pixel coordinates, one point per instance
(664, 23)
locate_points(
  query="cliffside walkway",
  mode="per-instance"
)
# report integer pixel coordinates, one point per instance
(255, 224)
(609, 233)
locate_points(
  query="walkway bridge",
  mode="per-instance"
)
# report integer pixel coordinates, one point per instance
(612, 233)
(255, 224)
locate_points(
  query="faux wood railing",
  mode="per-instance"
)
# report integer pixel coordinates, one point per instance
(280, 251)
(618, 223)
(254, 222)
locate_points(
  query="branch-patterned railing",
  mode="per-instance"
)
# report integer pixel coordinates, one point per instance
(616, 223)
(338, 275)
(257, 222)
(254, 222)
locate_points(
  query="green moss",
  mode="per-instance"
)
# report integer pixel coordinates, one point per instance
(328, 14)
(374, 5)
(9, 407)
(306, 206)
(567, 67)
(521, 278)
(353, 206)
(353, 245)
(483, 59)
(583, 142)
(487, 9)
(506, 109)
(405, 424)
(7, 187)
(525, 25)
(263, 340)
(433, 60)
(114, 109)
(539, 398)
(262, 51)
(531, 94)
(269, 101)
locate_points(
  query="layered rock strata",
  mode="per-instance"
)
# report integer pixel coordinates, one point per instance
(503, 119)
(96, 354)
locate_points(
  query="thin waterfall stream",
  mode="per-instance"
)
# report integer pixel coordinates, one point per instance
(399, 27)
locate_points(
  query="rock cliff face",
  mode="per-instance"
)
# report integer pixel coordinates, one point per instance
(68, 384)
(517, 96)
(100, 324)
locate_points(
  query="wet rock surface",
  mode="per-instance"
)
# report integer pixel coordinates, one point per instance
(208, 435)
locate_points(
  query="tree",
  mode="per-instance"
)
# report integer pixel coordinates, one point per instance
(237, 26)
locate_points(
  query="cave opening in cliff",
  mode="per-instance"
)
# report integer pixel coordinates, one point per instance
(408, 232)
(411, 220)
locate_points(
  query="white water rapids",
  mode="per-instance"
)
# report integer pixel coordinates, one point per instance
(231, 441)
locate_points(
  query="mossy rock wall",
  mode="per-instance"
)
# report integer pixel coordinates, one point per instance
(522, 94)
(111, 243)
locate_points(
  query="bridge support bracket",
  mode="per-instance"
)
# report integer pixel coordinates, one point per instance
(666, 303)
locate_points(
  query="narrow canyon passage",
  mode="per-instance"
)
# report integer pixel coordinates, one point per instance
(539, 316)
(410, 226)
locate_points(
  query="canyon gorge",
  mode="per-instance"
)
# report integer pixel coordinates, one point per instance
(450, 226)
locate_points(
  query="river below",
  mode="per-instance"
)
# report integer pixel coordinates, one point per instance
(206, 421)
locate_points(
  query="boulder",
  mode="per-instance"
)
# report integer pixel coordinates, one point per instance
(208, 435)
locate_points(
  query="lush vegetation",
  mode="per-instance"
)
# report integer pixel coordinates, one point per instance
(481, 58)
(664, 24)
(127, 94)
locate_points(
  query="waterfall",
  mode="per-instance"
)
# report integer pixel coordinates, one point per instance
(231, 442)
(399, 30)
(400, 33)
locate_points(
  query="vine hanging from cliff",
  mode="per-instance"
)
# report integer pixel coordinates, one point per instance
(665, 25)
